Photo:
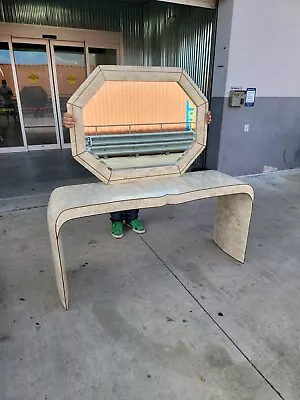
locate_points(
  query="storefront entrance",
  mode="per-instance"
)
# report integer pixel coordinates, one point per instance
(38, 76)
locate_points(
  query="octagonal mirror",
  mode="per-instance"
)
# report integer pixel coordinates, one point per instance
(137, 123)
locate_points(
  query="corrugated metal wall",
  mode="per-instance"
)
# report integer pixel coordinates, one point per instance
(150, 35)
(154, 34)
(181, 36)
(90, 14)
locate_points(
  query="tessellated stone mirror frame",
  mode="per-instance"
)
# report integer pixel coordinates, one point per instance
(168, 166)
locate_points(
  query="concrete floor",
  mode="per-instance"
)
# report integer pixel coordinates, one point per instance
(165, 316)
(23, 174)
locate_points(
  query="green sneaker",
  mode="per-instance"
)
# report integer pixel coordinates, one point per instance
(117, 229)
(137, 226)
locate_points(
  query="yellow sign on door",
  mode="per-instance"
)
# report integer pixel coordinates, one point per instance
(33, 77)
(71, 79)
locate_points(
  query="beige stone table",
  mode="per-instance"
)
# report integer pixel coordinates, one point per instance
(233, 213)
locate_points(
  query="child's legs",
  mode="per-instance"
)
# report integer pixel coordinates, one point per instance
(128, 216)
(131, 215)
(117, 216)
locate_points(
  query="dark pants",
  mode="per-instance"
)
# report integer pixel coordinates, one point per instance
(127, 216)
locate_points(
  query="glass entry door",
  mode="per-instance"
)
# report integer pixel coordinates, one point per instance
(34, 75)
(48, 73)
(71, 63)
(69, 71)
(38, 78)
(11, 135)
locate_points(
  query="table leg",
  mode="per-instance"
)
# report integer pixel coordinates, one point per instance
(233, 216)
(59, 267)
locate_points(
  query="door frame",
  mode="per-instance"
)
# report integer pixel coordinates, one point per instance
(31, 34)
(53, 43)
(7, 39)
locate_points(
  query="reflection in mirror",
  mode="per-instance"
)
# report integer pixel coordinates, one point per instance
(139, 124)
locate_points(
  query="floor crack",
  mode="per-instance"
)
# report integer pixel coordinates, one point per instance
(213, 319)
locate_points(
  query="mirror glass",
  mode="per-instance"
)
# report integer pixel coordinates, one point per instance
(139, 124)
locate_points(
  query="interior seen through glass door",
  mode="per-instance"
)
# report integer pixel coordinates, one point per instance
(10, 129)
(71, 73)
(101, 57)
(35, 93)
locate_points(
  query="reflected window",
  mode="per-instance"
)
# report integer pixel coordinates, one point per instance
(10, 129)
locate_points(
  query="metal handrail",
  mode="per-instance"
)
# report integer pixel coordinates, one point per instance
(149, 123)
(136, 125)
